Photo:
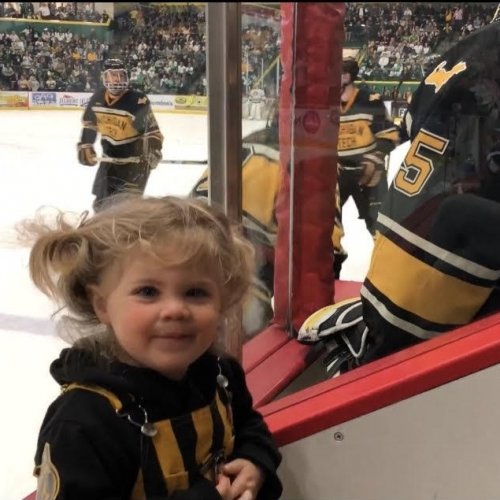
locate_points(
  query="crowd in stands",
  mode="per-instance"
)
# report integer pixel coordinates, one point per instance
(50, 59)
(402, 40)
(164, 46)
(260, 47)
(54, 11)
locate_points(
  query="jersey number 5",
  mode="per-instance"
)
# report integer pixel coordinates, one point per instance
(417, 168)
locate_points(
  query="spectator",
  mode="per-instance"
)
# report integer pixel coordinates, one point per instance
(44, 11)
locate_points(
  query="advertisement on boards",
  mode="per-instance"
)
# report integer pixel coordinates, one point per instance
(14, 99)
(161, 102)
(42, 99)
(191, 102)
(73, 99)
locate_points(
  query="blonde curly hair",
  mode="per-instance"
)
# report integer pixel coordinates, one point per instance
(68, 258)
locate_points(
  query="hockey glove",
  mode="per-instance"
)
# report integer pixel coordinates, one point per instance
(374, 166)
(154, 158)
(150, 151)
(331, 320)
(86, 154)
(342, 331)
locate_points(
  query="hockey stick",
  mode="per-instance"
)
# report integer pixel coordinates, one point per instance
(185, 162)
(137, 159)
(118, 161)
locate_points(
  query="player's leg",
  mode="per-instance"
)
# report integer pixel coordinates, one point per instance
(100, 187)
(374, 198)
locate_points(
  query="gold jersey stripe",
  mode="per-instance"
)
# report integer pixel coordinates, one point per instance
(470, 267)
(227, 420)
(114, 401)
(389, 134)
(458, 306)
(260, 181)
(170, 457)
(202, 421)
(138, 492)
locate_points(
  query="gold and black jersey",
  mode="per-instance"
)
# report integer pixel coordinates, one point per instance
(121, 121)
(119, 431)
(364, 128)
(436, 259)
(260, 184)
(177, 463)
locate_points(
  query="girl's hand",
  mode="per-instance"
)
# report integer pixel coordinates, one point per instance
(246, 479)
(223, 486)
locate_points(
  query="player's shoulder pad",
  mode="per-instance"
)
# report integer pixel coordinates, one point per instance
(143, 99)
(97, 98)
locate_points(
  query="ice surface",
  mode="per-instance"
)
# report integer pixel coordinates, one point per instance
(39, 167)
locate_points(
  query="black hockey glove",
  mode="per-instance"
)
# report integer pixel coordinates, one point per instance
(86, 154)
(151, 152)
(153, 158)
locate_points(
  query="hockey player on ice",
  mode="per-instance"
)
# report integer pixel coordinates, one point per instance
(130, 137)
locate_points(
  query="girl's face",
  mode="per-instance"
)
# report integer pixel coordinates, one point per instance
(164, 318)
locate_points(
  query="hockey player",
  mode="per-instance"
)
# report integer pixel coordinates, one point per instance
(436, 262)
(260, 185)
(257, 101)
(130, 138)
(366, 136)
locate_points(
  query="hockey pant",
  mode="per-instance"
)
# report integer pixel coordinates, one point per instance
(367, 199)
(112, 179)
(256, 111)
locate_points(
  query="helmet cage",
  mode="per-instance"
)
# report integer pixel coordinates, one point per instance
(115, 80)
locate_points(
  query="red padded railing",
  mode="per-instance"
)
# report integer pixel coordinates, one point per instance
(394, 378)
(272, 359)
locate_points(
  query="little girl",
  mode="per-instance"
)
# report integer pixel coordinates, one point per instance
(149, 407)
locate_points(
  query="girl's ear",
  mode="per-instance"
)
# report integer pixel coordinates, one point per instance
(99, 303)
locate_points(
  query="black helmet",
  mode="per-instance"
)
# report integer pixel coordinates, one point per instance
(114, 76)
(113, 64)
(350, 66)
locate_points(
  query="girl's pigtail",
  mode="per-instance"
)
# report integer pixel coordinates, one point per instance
(59, 259)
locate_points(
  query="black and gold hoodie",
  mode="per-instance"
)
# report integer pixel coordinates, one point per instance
(123, 432)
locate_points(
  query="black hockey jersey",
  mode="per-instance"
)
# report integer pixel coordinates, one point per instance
(364, 128)
(436, 259)
(121, 121)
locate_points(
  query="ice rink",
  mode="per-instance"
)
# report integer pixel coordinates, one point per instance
(39, 167)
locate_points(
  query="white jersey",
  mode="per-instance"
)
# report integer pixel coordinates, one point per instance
(257, 96)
